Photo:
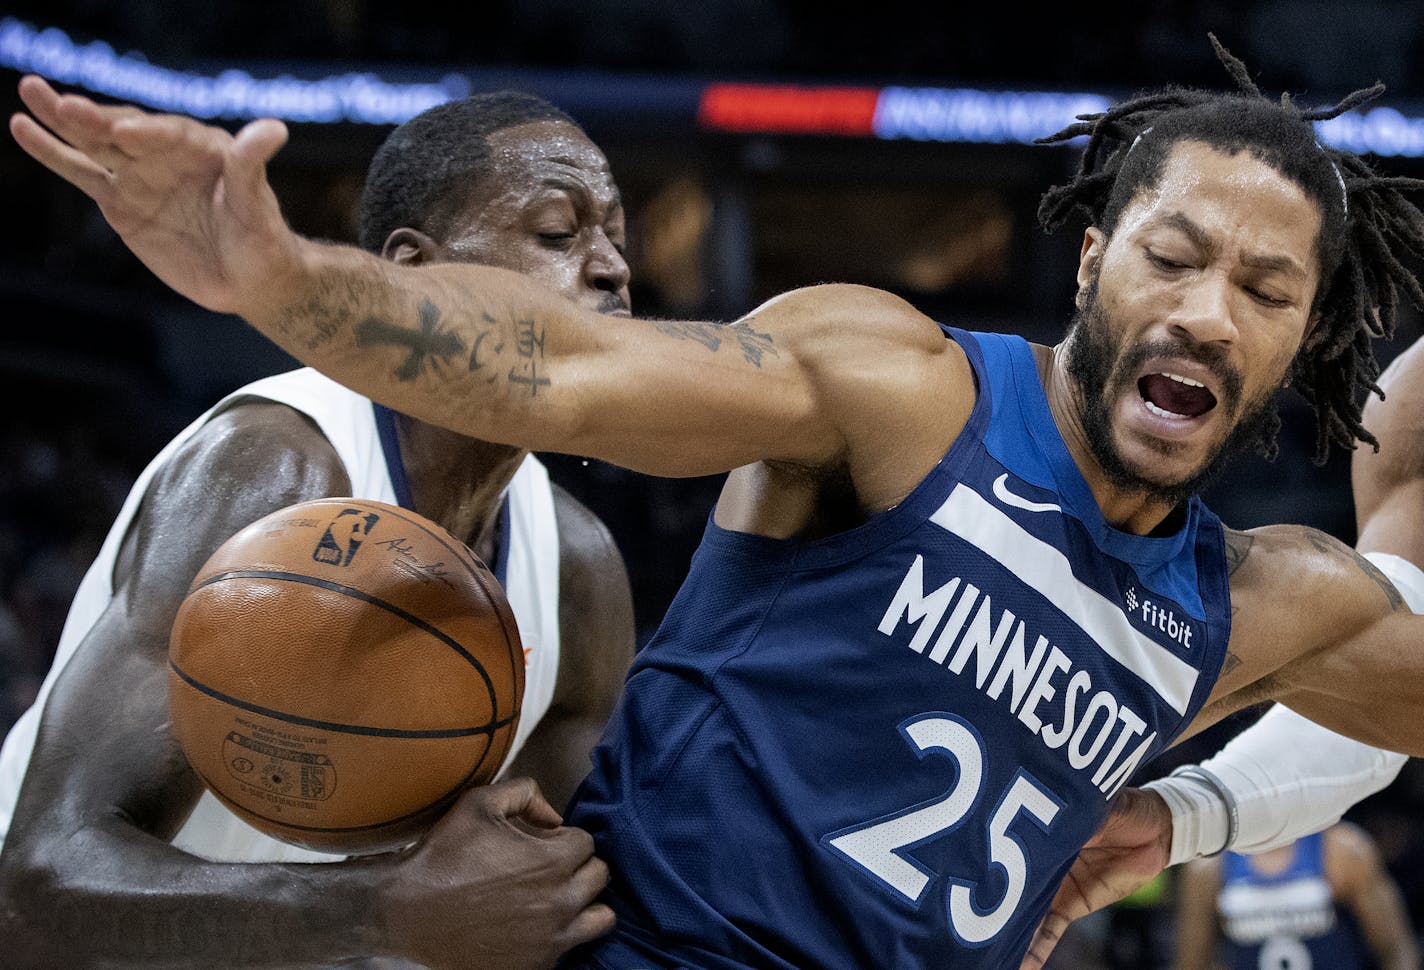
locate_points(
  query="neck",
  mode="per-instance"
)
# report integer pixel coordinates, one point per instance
(1131, 510)
(457, 481)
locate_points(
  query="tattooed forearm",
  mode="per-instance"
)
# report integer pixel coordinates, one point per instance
(487, 333)
(529, 345)
(429, 343)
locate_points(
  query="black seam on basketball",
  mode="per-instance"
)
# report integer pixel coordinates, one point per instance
(463, 552)
(332, 725)
(365, 597)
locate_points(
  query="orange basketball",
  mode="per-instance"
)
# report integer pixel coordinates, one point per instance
(341, 670)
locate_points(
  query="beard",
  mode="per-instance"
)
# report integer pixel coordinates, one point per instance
(1101, 371)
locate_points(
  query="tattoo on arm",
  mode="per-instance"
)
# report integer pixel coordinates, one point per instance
(1333, 547)
(1396, 601)
(1229, 664)
(529, 344)
(753, 344)
(429, 343)
(1238, 547)
(487, 327)
(707, 334)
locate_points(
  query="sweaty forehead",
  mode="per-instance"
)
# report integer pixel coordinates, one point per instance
(1231, 196)
(539, 155)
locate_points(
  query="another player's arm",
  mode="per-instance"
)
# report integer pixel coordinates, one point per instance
(1361, 883)
(1389, 484)
(1196, 934)
(596, 649)
(88, 878)
(829, 375)
(87, 871)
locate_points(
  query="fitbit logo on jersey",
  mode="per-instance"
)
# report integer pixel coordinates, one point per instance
(1160, 618)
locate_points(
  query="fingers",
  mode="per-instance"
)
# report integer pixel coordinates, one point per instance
(70, 164)
(590, 879)
(589, 925)
(1045, 938)
(245, 166)
(521, 798)
(77, 120)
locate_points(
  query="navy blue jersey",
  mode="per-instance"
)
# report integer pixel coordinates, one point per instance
(884, 748)
(1287, 920)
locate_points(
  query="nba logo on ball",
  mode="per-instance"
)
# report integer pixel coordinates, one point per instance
(341, 671)
(351, 524)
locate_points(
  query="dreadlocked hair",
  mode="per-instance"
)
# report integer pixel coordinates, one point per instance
(1367, 225)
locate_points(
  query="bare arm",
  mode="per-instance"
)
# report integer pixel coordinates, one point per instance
(1196, 915)
(87, 874)
(1389, 484)
(1360, 882)
(596, 649)
(830, 375)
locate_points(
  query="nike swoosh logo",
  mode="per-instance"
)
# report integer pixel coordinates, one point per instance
(1002, 493)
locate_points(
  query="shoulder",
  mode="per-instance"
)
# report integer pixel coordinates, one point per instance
(1297, 562)
(830, 321)
(583, 538)
(250, 451)
(246, 461)
(895, 387)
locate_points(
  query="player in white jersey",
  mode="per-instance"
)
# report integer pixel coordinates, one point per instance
(94, 867)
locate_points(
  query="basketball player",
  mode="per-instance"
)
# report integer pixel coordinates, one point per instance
(1248, 797)
(957, 588)
(87, 873)
(1324, 901)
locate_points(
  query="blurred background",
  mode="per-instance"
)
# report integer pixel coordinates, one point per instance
(759, 144)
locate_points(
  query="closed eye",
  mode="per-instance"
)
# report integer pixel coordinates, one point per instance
(1162, 262)
(1262, 298)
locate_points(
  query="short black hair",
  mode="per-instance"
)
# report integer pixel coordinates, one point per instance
(424, 172)
(1366, 223)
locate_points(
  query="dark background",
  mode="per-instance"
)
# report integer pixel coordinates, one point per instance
(100, 364)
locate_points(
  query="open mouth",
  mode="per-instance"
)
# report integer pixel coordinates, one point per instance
(1169, 395)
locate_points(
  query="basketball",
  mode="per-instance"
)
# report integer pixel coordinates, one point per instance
(340, 671)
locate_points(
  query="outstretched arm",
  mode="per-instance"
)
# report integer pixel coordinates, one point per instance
(488, 353)
(87, 876)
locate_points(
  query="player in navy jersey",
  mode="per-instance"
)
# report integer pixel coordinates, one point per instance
(957, 587)
(1324, 902)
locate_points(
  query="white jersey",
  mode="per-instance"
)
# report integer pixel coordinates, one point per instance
(528, 567)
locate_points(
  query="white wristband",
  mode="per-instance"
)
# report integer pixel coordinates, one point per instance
(1201, 820)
